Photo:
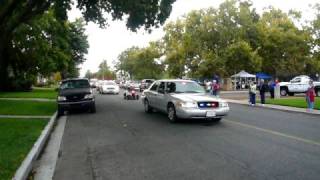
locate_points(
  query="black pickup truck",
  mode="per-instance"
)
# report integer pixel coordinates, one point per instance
(75, 94)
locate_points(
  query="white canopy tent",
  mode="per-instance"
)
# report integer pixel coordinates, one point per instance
(242, 79)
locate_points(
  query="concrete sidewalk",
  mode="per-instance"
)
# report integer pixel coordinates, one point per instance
(278, 107)
(24, 117)
(29, 99)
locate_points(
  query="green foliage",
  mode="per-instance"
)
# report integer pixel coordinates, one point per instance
(241, 56)
(105, 72)
(142, 63)
(17, 137)
(284, 47)
(89, 74)
(46, 46)
(314, 64)
(36, 34)
(234, 37)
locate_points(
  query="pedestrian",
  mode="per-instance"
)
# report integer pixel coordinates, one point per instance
(263, 88)
(215, 88)
(208, 86)
(272, 86)
(252, 93)
(310, 96)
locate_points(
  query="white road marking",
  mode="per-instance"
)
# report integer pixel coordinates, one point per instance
(308, 141)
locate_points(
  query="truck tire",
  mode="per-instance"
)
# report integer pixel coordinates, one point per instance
(93, 109)
(317, 92)
(60, 111)
(283, 91)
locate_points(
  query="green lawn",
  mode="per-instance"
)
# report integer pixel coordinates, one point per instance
(25, 107)
(17, 137)
(299, 102)
(35, 93)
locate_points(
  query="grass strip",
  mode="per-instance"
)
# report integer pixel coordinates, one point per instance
(35, 93)
(25, 107)
(299, 102)
(17, 137)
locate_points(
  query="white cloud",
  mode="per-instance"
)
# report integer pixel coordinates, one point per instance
(110, 42)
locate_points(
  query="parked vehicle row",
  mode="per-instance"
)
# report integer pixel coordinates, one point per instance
(108, 87)
(145, 83)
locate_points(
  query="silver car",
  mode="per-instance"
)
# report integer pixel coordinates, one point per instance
(183, 99)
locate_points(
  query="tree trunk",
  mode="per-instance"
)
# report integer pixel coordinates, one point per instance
(4, 63)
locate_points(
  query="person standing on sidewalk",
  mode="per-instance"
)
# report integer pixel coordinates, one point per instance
(208, 86)
(215, 88)
(310, 96)
(252, 93)
(263, 88)
(272, 86)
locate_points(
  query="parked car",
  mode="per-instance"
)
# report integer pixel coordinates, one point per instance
(298, 84)
(183, 99)
(145, 83)
(75, 94)
(109, 87)
(93, 83)
(134, 85)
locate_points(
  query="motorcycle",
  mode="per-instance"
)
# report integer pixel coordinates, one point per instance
(131, 94)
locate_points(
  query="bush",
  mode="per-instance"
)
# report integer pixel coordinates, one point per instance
(21, 83)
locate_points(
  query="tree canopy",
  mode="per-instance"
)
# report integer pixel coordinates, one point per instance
(141, 63)
(234, 37)
(26, 21)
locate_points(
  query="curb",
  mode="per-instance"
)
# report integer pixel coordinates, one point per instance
(277, 107)
(27, 164)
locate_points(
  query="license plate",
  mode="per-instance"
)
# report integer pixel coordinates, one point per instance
(211, 114)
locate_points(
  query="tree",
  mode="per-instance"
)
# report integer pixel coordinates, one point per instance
(142, 63)
(241, 56)
(285, 48)
(313, 65)
(105, 72)
(234, 37)
(197, 44)
(43, 47)
(15, 13)
(88, 74)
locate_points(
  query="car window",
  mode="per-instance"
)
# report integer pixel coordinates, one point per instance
(109, 83)
(296, 80)
(171, 87)
(154, 87)
(161, 88)
(75, 84)
(184, 87)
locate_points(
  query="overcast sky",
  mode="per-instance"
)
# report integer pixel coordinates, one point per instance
(110, 42)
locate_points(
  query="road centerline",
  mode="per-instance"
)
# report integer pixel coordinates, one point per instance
(308, 141)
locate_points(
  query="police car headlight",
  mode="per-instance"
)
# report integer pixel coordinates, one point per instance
(184, 104)
(224, 104)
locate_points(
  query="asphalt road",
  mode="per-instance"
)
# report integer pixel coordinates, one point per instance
(121, 142)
